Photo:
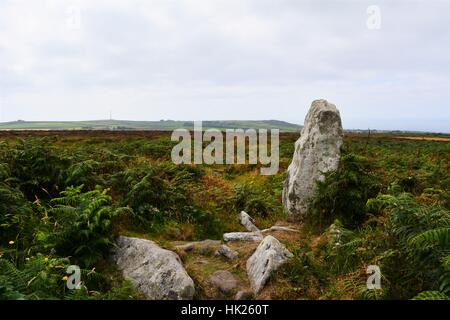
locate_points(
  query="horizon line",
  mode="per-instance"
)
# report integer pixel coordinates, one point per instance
(171, 120)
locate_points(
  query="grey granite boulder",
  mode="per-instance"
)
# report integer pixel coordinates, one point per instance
(156, 272)
(267, 258)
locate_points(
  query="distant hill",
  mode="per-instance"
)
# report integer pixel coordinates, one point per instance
(147, 125)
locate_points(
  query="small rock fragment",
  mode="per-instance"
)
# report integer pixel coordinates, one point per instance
(279, 228)
(248, 222)
(227, 252)
(244, 295)
(204, 247)
(224, 281)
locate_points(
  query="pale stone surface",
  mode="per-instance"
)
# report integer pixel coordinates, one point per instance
(267, 258)
(224, 281)
(316, 151)
(244, 295)
(248, 222)
(242, 236)
(156, 272)
(280, 228)
(227, 252)
(204, 247)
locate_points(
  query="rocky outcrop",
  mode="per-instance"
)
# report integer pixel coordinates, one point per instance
(248, 222)
(267, 258)
(156, 272)
(227, 252)
(242, 236)
(316, 151)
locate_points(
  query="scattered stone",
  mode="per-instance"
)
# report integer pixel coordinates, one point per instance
(279, 228)
(244, 295)
(155, 272)
(224, 281)
(242, 236)
(205, 247)
(268, 257)
(227, 252)
(317, 151)
(248, 222)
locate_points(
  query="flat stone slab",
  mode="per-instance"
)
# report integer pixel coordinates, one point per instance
(280, 228)
(242, 236)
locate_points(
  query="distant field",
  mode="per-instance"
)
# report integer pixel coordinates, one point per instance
(426, 138)
(146, 125)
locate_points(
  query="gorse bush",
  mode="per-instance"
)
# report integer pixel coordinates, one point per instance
(37, 169)
(343, 193)
(158, 192)
(422, 236)
(303, 270)
(254, 200)
(80, 225)
(16, 214)
(409, 244)
(83, 173)
(161, 194)
(42, 277)
(153, 191)
(39, 278)
(160, 148)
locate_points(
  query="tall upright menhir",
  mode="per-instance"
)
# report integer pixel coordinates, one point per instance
(317, 151)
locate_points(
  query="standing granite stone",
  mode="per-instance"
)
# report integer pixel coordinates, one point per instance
(154, 271)
(317, 151)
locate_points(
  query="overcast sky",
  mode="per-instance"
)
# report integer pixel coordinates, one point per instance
(227, 59)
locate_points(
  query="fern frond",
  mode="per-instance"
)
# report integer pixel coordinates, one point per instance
(439, 236)
(431, 295)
